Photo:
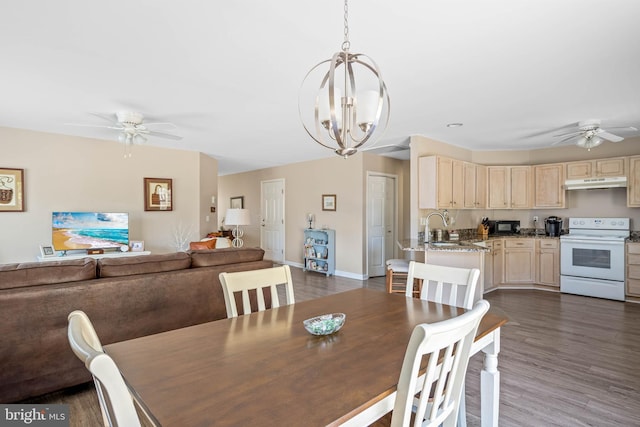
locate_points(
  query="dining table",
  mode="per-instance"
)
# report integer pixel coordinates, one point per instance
(265, 369)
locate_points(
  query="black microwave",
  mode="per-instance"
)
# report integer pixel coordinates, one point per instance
(504, 227)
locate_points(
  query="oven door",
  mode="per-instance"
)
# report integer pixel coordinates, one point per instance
(589, 258)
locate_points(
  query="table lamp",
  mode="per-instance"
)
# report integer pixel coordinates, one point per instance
(237, 217)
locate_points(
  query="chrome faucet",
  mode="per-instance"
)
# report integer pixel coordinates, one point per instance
(443, 215)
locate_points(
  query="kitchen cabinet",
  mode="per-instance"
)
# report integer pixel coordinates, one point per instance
(475, 185)
(633, 269)
(519, 261)
(633, 183)
(548, 262)
(549, 186)
(441, 183)
(509, 187)
(596, 168)
(497, 255)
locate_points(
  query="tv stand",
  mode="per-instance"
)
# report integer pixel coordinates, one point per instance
(115, 254)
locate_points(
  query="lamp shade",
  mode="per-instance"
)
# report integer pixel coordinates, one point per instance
(238, 217)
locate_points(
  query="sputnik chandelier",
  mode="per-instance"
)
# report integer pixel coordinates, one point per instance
(346, 115)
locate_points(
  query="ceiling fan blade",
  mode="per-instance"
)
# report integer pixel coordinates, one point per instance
(108, 117)
(163, 135)
(573, 133)
(95, 126)
(608, 136)
(167, 124)
(569, 137)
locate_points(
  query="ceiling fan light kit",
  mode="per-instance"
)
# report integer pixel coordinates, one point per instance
(590, 135)
(132, 128)
(345, 115)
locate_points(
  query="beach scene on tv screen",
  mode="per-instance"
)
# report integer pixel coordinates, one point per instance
(89, 230)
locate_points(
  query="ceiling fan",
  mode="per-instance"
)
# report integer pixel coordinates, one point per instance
(132, 128)
(590, 134)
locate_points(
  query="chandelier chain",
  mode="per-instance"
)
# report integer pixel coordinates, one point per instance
(346, 44)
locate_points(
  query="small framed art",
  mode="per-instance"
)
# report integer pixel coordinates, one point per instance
(47, 251)
(158, 194)
(11, 190)
(329, 202)
(137, 245)
(237, 202)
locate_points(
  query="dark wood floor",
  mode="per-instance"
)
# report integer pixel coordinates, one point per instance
(565, 360)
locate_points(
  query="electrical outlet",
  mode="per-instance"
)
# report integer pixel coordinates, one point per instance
(535, 218)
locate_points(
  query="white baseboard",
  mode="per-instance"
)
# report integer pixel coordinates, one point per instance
(346, 274)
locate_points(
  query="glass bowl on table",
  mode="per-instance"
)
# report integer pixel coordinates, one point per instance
(325, 324)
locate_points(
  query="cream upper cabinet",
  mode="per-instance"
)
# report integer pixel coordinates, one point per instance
(509, 187)
(597, 168)
(441, 183)
(633, 184)
(519, 261)
(548, 186)
(548, 262)
(475, 185)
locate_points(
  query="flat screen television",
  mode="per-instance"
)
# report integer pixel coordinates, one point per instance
(89, 230)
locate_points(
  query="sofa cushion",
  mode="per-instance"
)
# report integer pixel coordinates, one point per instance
(46, 273)
(204, 244)
(142, 264)
(210, 258)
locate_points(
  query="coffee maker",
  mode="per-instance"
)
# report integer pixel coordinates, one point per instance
(553, 226)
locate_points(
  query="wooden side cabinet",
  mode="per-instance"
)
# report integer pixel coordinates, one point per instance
(441, 183)
(509, 187)
(498, 262)
(596, 168)
(549, 186)
(548, 262)
(633, 183)
(633, 269)
(519, 261)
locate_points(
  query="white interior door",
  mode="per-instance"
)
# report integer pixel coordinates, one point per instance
(272, 219)
(381, 222)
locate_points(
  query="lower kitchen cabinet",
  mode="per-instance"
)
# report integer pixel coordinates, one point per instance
(519, 261)
(633, 269)
(548, 262)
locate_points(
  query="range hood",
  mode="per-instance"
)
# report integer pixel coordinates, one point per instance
(591, 183)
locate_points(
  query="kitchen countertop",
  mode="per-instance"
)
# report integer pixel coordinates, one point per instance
(470, 245)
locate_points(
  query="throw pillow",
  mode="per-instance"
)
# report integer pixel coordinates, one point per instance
(207, 244)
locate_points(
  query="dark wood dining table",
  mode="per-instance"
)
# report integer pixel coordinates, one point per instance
(265, 369)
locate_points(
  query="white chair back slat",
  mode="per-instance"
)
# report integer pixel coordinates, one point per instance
(256, 280)
(443, 284)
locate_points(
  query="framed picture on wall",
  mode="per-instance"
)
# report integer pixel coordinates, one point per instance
(11, 190)
(237, 202)
(158, 194)
(329, 202)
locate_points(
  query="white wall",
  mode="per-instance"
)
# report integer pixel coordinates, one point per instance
(65, 173)
(305, 183)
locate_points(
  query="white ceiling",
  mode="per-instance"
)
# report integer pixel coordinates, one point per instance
(228, 73)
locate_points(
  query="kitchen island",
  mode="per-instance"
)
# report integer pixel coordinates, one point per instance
(464, 253)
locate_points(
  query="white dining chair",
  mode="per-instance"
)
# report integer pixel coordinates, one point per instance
(256, 281)
(447, 285)
(445, 348)
(116, 403)
(443, 284)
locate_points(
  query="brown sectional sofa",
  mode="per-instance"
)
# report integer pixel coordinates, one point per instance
(124, 297)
